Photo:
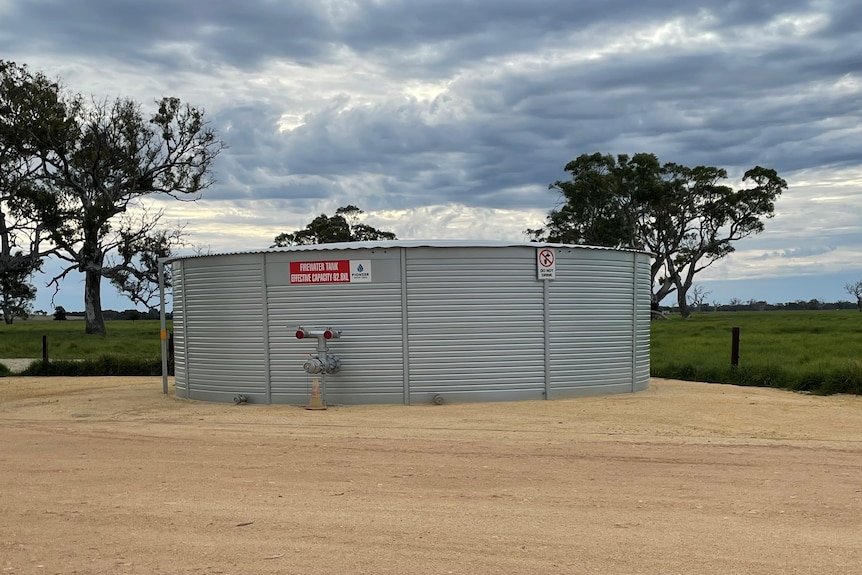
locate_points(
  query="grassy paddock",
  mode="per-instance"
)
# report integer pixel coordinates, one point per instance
(127, 343)
(816, 351)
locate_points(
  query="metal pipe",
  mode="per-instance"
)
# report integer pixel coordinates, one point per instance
(163, 329)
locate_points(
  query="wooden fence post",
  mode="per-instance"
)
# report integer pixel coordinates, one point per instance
(734, 348)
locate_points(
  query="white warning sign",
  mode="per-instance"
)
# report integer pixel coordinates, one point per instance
(546, 264)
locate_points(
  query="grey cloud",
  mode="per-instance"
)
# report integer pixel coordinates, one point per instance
(249, 33)
(433, 21)
(801, 252)
(239, 33)
(845, 18)
(458, 162)
(743, 12)
(497, 130)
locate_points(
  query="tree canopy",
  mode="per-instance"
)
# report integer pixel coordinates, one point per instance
(344, 226)
(88, 172)
(686, 217)
(31, 111)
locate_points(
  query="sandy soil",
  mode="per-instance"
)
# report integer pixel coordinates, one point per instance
(107, 475)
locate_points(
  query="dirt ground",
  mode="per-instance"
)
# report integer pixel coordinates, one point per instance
(107, 475)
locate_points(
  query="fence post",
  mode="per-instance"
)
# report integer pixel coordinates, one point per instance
(734, 348)
(44, 349)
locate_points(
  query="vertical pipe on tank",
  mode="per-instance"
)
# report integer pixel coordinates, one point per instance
(267, 369)
(163, 331)
(634, 320)
(185, 328)
(405, 340)
(546, 299)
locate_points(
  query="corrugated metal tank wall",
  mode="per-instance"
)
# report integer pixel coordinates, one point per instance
(218, 340)
(643, 315)
(368, 314)
(180, 363)
(599, 322)
(465, 324)
(475, 324)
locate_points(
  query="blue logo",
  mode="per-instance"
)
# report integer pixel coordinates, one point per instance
(359, 268)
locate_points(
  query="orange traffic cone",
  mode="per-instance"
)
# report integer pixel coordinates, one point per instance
(315, 401)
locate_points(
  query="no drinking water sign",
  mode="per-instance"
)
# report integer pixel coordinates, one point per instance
(546, 264)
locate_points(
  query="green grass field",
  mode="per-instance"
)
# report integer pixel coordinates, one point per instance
(816, 351)
(129, 348)
(67, 340)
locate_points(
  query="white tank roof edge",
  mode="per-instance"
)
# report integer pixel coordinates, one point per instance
(393, 244)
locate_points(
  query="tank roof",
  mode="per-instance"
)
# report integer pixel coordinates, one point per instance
(394, 244)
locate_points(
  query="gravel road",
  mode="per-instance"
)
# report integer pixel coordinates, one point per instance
(107, 475)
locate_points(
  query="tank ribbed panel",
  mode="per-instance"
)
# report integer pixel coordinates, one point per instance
(178, 331)
(642, 331)
(224, 339)
(476, 325)
(370, 348)
(592, 306)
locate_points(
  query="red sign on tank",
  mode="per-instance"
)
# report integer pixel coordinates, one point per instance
(320, 272)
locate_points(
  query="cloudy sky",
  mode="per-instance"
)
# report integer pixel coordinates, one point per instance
(449, 118)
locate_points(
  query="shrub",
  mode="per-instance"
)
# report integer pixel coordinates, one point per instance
(99, 366)
(822, 382)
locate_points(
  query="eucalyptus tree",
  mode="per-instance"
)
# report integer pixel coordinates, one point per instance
(31, 112)
(712, 217)
(344, 226)
(95, 178)
(688, 218)
(855, 289)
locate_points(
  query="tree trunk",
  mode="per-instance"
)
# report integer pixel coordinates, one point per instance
(682, 301)
(93, 303)
(5, 253)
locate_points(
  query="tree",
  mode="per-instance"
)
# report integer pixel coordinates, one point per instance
(698, 297)
(101, 169)
(59, 313)
(711, 217)
(132, 314)
(141, 245)
(30, 110)
(855, 290)
(598, 207)
(344, 226)
(17, 297)
(684, 216)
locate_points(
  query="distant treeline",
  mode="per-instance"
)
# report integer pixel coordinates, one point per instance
(733, 305)
(110, 314)
(752, 305)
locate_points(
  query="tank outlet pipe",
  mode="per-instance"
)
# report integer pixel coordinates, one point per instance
(323, 362)
(313, 365)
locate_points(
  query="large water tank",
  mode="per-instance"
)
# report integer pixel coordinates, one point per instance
(421, 322)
